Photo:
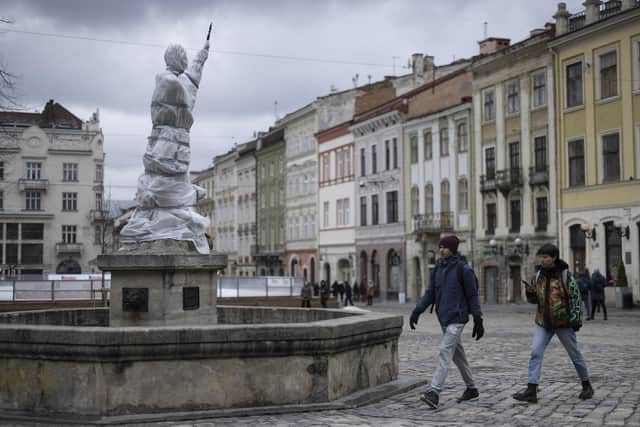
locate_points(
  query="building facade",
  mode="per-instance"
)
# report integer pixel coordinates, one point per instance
(52, 213)
(270, 183)
(438, 175)
(246, 201)
(225, 193)
(514, 122)
(337, 204)
(597, 69)
(205, 206)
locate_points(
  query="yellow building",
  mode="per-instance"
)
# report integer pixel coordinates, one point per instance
(597, 69)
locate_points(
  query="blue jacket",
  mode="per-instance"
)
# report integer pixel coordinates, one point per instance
(453, 302)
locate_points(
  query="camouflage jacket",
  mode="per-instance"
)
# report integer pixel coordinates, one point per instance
(559, 304)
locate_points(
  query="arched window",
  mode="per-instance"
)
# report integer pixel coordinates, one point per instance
(428, 198)
(463, 194)
(415, 204)
(445, 203)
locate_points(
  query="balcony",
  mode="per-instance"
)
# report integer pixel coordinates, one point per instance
(98, 215)
(270, 249)
(508, 179)
(68, 248)
(435, 223)
(25, 184)
(487, 183)
(538, 175)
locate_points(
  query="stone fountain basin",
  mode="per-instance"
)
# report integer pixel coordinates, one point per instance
(70, 363)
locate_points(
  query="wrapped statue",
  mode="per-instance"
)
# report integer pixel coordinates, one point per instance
(166, 198)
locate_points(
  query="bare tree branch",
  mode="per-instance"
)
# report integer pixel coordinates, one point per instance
(8, 97)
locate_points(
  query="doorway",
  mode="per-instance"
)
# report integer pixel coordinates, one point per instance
(516, 284)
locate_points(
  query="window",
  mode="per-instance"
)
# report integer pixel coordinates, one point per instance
(32, 231)
(69, 233)
(69, 171)
(428, 144)
(513, 97)
(395, 153)
(1, 201)
(305, 182)
(325, 168)
(263, 171)
(461, 133)
(387, 155)
(415, 201)
(69, 201)
(31, 253)
(374, 160)
(514, 210)
(272, 199)
(574, 84)
(463, 194)
(491, 218)
(1, 170)
(346, 212)
(263, 202)
(97, 235)
(347, 162)
(340, 164)
(374, 210)
(339, 212)
(428, 199)
(611, 157)
(608, 74)
(413, 148)
(325, 212)
(576, 163)
(490, 162)
(99, 201)
(577, 243)
(542, 218)
(271, 168)
(539, 90)
(363, 211)
(32, 199)
(392, 207)
(363, 163)
(540, 153)
(445, 199)
(489, 106)
(444, 142)
(33, 170)
(514, 156)
(12, 231)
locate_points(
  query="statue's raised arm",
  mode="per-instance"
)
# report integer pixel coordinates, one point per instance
(197, 64)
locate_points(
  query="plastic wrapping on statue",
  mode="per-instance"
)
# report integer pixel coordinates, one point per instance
(165, 197)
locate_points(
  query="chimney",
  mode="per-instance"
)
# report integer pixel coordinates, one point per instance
(627, 4)
(536, 31)
(562, 19)
(428, 64)
(417, 63)
(592, 11)
(493, 44)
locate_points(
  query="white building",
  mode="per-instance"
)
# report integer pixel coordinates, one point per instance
(246, 209)
(51, 192)
(225, 177)
(337, 204)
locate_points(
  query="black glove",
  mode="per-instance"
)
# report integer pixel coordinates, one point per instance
(413, 319)
(478, 329)
(576, 328)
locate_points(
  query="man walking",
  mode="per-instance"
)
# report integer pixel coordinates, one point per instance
(558, 298)
(453, 290)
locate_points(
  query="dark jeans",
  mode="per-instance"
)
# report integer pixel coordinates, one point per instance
(306, 303)
(369, 300)
(598, 304)
(323, 301)
(348, 300)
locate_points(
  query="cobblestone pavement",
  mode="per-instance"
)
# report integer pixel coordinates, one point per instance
(499, 362)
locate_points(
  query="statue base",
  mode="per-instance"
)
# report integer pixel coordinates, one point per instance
(151, 289)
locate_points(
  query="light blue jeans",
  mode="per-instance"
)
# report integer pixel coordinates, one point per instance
(451, 350)
(567, 337)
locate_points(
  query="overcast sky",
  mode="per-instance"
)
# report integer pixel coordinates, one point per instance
(95, 54)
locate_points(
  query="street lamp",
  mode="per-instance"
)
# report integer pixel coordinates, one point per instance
(522, 248)
(623, 230)
(497, 249)
(589, 231)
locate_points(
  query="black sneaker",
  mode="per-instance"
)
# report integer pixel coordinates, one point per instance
(587, 392)
(469, 394)
(431, 398)
(528, 394)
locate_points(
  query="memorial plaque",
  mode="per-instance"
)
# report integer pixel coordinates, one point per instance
(191, 298)
(135, 300)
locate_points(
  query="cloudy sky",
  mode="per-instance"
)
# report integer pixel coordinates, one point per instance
(95, 54)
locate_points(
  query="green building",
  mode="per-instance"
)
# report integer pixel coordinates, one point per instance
(270, 185)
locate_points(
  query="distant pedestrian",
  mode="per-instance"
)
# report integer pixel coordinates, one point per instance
(557, 296)
(334, 289)
(453, 290)
(347, 294)
(316, 289)
(356, 290)
(341, 291)
(584, 284)
(324, 293)
(364, 290)
(306, 292)
(370, 291)
(598, 283)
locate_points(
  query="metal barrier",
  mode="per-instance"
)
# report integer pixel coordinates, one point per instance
(258, 286)
(14, 290)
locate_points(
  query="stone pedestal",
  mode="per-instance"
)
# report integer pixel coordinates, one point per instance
(162, 290)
